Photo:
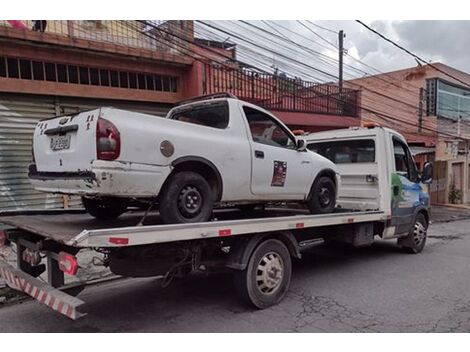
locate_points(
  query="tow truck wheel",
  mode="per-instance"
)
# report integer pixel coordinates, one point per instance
(416, 239)
(323, 196)
(266, 279)
(104, 208)
(186, 198)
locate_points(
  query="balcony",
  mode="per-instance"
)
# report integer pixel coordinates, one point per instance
(163, 40)
(275, 92)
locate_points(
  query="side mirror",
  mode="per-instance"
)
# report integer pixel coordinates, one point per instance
(426, 175)
(301, 145)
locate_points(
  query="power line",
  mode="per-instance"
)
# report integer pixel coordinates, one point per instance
(324, 28)
(410, 53)
(378, 113)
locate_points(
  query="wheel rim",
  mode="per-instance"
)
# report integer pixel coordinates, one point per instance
(190, 201)
(269, 273)
(419, 233)
(324, 197)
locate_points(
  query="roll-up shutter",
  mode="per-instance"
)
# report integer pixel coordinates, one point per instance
(18, 117)
(19, 113)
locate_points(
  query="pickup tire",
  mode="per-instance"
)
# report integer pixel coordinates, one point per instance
(415, 241)
(322, 198)
(187, 197)
(266, 279)
(104, 208)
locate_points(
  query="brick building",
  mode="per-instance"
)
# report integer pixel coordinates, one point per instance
(77, 65)
(432, 110)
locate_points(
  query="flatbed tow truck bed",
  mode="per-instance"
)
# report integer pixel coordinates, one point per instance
(77, 229)
(50, 233)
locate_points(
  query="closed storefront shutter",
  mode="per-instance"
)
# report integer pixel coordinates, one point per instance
(19, 114)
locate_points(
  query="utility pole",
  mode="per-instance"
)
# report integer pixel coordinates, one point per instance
(341, 52)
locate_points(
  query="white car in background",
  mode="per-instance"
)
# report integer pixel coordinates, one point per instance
(211, 150)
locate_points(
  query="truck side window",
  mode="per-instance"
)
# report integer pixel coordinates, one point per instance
(214, 115)
(267, 131)
(404, 163)
(346, 152)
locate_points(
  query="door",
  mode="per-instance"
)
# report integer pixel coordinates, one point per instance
(407, 193)
(277, 168)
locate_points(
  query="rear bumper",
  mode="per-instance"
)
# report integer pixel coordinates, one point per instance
(41, 292)
(105, 178)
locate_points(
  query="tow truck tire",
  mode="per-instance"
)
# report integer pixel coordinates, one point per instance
(104, 208)
(187, 197)
(266, 279)
(322, 198)
(415, 241)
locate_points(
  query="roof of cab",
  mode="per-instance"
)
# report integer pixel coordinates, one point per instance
(350, 133)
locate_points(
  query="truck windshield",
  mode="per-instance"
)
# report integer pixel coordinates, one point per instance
(343, 152)
(214, 115)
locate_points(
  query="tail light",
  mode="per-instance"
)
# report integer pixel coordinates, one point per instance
(108, 140)
(68, 263)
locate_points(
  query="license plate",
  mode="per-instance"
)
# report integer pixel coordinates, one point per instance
(60, 142)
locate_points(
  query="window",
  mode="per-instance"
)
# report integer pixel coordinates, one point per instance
(214, 115)
(73, 74)
(344, 152)
(267, 131)
(61, 73)
(84, 76)
(13, 71)
(104, 78)
(447, 100)
(94, 77)
(404, 163)
(3, 67)
(25, 69)
(50, 72)
(19, 68)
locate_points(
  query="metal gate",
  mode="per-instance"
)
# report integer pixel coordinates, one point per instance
(19, 114)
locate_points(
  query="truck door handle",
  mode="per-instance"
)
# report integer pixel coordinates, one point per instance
(396, 190)
(259, 154)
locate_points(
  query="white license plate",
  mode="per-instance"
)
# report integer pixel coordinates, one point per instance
(60, 142)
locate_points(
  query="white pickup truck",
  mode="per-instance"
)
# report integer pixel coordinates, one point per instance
(213, 149)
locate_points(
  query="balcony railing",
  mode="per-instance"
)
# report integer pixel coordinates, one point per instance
(275, 92)
(156, 35)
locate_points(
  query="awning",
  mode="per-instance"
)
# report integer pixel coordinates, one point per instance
(421, 150)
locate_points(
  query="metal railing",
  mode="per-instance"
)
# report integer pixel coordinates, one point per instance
(276, 92)
(155, 35)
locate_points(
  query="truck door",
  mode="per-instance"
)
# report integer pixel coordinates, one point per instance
(277, 168)
(407, 193)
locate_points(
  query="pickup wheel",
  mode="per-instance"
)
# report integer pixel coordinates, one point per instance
(323, 196)
(186, 198)
(266, 279)
(415, 241)
(104, 208)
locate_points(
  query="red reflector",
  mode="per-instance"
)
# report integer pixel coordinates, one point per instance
(68, 263)
(119, 240)
(350, 220)
(225, 232)
(299, 225)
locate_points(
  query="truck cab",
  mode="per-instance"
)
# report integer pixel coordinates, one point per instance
(377, 172)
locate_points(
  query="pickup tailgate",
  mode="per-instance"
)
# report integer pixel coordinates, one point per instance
(66, 143)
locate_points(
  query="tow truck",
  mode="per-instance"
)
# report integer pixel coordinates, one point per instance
(382, 195)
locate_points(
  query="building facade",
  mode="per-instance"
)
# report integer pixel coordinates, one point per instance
(430, 106)
(50, 68)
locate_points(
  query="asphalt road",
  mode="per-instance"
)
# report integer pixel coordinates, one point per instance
(375, 289)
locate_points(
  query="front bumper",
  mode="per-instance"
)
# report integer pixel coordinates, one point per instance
(105, 178)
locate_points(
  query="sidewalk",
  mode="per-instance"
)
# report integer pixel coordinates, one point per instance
(450, 212)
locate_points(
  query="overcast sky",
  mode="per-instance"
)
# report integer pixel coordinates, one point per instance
(444, 41)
